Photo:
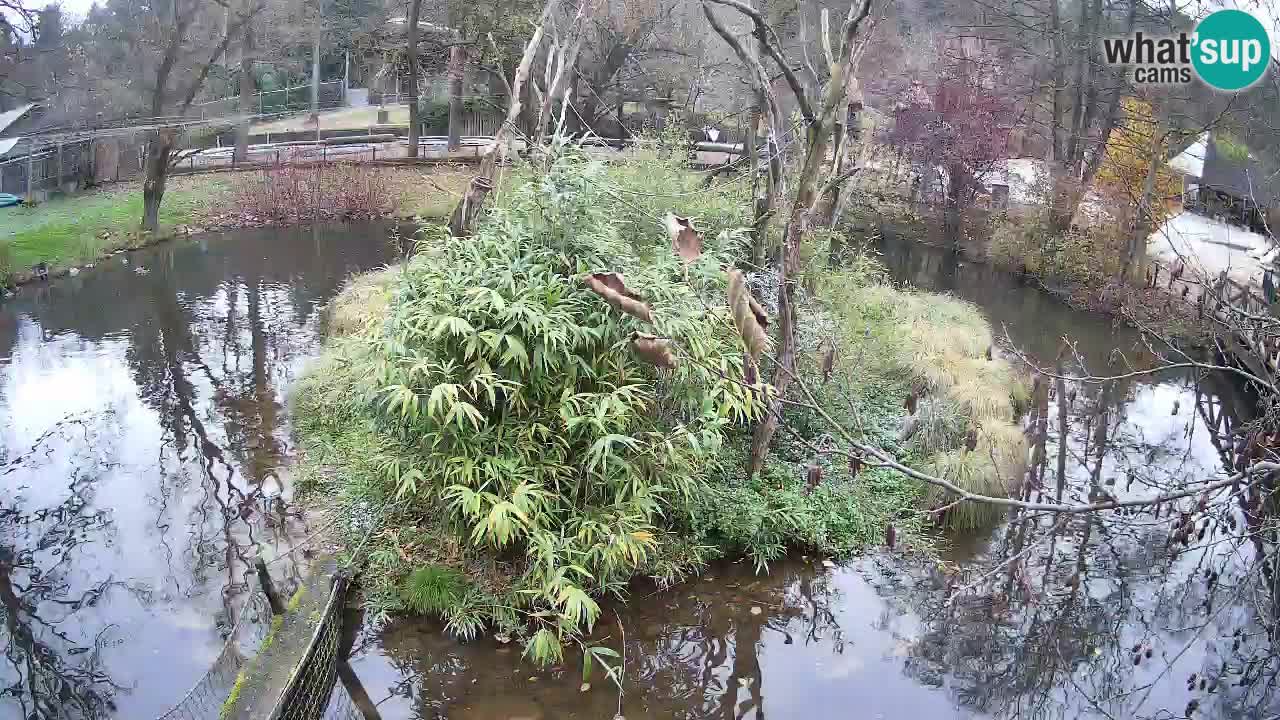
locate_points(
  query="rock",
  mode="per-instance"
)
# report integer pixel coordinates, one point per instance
(141, 270)
(73, 272)
(584, 687)
(828, 564)
(925, 672)
(756, 610)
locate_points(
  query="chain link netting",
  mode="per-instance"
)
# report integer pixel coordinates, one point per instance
(314, 680)
(204, 701)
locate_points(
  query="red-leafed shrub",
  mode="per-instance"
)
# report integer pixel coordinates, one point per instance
(307, 193)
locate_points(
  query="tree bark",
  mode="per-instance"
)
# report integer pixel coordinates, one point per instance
(757, 199)
(246, 98)
(1135, 252)
(415, 9)
(159, 151)
(315, 78)
(457, 65)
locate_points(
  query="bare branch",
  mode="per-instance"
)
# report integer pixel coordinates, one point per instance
(773, 48)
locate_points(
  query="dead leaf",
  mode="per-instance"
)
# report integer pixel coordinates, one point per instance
(971, 440)
(746, 317)
(750, 373)
(814, 475)
(890, 536)
(828, 360)
(653, 350)
(611, 287)
(685, 239)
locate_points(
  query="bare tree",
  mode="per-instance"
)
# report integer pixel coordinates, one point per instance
(415, 122)
(185, 28)
(819, 117)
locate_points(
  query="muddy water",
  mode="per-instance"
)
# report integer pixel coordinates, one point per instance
(143, 459)
(1102, 618)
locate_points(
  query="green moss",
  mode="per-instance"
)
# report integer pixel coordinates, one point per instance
(296, 599)
(1231, 148)
(229, 705)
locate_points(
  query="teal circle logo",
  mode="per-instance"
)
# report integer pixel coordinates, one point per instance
(1232, 50)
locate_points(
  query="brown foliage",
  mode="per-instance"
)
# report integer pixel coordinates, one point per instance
(686, 241)
(653, 350)
(613, 289)
(293, 194)
(748, 316)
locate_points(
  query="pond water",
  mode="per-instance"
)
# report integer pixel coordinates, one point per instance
(144, 459)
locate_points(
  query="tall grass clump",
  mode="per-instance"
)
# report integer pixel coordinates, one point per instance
(938, 351)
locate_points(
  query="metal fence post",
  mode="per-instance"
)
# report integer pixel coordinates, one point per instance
(268, 588)
(30, 172)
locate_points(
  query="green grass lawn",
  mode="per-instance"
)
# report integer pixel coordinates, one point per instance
(75, 229)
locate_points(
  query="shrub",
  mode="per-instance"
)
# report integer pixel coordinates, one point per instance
(532, 426)
(308, 193)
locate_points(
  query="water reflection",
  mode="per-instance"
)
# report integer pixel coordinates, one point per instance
(1153, 611)
(799, 643)
(143, 456)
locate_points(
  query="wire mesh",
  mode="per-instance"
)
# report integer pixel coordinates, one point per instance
(204, 700)
(314, 680)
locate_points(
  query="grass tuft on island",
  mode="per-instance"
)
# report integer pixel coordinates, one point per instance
(491, 439)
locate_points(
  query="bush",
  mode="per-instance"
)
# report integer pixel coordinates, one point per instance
(308, 193)
(482, 419)
(533, 429)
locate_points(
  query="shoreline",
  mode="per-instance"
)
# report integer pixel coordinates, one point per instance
(412, 205)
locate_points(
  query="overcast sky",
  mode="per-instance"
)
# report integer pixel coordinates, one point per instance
(1266, 10)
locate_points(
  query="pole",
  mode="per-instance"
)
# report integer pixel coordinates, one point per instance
(315, 70)
(268, 588)
(31, 171)
(58, 184)
(346, 74)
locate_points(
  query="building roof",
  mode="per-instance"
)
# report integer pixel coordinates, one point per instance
(1190, 162)
(9, 117)
(1229, 167)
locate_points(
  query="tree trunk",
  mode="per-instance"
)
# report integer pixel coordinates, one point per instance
(457, 64)
(415, 9)
(953, 206)
(797, 228)
(159, 149)
(757, 199)
(1135, 252)
(246, 98)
